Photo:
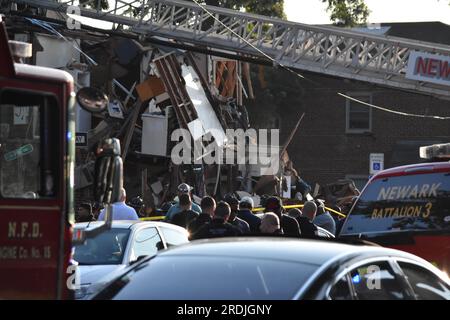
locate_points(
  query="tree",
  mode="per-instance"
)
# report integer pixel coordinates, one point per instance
(343, 12)
(348, 13)
(270, 8)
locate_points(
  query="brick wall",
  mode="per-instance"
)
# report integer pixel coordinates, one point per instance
(322, 151)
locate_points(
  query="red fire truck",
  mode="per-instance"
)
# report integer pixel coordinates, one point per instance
(36, 177)
(37, 144)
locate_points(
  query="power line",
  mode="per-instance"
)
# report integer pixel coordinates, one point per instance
(274, 63)
(247, 42)
(236, 34)
(299, 75)
(393, 111)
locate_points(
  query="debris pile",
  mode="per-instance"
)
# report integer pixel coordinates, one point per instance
(154, 91)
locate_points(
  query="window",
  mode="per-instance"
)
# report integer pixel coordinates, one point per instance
(358, 116)
(28, 145)
(174, 237)
(426, 285)
(147, 242)
(107, 247)
(377, 281)
(405, 203)
(341, 290)
(205, 277)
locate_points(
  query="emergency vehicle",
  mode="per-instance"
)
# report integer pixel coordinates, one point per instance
(408, 208)
(37, 150)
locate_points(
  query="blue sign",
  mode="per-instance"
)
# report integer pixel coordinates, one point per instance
(376, 162)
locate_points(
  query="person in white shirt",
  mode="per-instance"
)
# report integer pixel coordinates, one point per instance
(120, 210)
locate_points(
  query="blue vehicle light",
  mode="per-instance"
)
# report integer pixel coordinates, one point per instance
(356, 279)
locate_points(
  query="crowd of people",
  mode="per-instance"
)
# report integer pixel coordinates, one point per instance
(87, 212)
(228, 217)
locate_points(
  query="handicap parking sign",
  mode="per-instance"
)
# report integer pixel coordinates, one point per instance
(376, 166)
(376, 162)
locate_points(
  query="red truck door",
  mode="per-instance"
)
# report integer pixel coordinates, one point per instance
(35, 179)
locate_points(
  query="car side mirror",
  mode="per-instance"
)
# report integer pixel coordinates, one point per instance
(160, 245)
(137, 260)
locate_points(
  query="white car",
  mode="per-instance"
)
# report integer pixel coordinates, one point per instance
(101, 258)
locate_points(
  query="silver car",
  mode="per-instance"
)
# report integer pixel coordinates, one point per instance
(101, 258)
(279, 269)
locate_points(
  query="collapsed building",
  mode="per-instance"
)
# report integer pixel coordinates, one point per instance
(155, 90)
(113, 59)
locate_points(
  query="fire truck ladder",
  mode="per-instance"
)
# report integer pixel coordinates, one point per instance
(327, 50)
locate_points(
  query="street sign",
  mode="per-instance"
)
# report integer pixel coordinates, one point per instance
(81, 139)
(376, 162)
(24, 150)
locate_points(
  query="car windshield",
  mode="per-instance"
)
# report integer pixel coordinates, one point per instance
(210, 278)
(404, 203)
(106, 248)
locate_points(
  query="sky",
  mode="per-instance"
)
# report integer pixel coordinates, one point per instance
(314, 11)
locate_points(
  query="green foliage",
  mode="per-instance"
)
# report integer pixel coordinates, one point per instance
(270, 8)
(348, 13)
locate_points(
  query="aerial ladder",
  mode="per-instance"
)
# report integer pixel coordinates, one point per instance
(377, 59)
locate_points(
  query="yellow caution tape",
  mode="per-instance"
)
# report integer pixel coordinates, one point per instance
(292, 206)
(157, 218)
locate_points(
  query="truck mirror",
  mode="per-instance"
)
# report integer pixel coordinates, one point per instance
(108, 181)
(92, 99)
(20, 50)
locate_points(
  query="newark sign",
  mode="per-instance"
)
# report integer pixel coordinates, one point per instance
(429, 68)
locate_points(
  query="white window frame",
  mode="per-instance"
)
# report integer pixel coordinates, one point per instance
(347, 112)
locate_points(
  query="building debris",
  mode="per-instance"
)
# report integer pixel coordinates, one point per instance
(153, 91)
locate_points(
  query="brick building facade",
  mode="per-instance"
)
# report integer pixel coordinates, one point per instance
(337, 136)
